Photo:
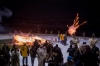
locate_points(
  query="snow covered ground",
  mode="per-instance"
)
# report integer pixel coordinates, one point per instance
(63, 48)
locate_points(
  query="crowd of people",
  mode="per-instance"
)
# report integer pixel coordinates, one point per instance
(45, 53)
(83, 54)
(79, 54)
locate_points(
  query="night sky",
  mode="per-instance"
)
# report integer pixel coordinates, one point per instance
(54, 13)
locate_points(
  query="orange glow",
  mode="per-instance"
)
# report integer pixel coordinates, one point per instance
(27, 38)
(72, 29)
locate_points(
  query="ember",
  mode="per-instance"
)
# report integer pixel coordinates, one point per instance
(72, 29)
(19, 39)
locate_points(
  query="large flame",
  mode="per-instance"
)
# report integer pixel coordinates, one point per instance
(72, 29)
(19, 39)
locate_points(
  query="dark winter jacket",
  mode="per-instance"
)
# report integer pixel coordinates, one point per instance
(33, 52)
(71, 52)
(59, 57)
(36, 44)
(76, 57)
(49, 48)
(94, 50)
(5, 50)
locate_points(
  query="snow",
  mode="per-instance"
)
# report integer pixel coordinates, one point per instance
(63, 48)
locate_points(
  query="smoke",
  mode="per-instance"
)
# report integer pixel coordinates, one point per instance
(5, 12)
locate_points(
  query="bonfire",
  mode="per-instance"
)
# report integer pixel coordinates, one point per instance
(29, 39)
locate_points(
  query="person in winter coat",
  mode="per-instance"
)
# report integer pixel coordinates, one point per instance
(82, 47)
(41, 52)
(88, 58)
(33, 54)
(24, 53)
(93, 41)
(75, 47)
(36, 43)
(15, 58)
(58, 57)
(49, 48)
(65, 39)
(71, 51)
(46, 43)
(58, 37)
(13, 48)
(51, 60)
(74, 41)
(76, 57)
(95, 50)
(62, 38)
(5, 52)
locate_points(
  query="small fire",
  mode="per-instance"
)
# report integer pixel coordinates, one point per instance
(27, 38)
(72, 29)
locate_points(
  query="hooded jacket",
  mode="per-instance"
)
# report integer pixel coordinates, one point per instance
(24, 51)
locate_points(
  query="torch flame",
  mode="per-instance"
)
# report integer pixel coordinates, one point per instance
(72, 29)
(26, 38)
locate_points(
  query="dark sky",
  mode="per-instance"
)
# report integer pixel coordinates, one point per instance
(61, 9)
